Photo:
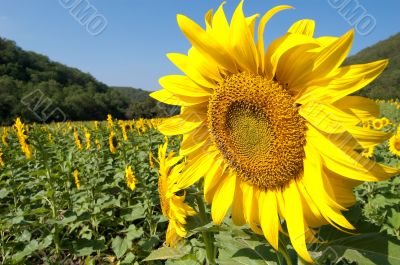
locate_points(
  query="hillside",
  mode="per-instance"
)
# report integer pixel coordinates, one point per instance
(387, 85)
(36, 89)
(135, 94)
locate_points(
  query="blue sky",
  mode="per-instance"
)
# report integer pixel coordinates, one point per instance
(131, 50)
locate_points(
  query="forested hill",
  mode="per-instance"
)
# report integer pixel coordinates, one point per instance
(38, 89)
(387, 85)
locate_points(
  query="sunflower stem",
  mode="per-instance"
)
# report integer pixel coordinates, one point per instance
(284, 251)
(207, 238)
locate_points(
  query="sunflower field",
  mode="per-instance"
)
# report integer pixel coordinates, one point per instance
(89, 193)
(272, 159)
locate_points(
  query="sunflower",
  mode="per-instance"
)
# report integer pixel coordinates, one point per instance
(123, 125)
(76, 179)
(78, 141)
(50, 137)
(4, 137)
(1, 159)
(173, 206)
(87, 137)
(22, 131)
(272, 131)
(130, 178)
(394, 145)
(98, 145)
(151, 163)
(368, 152)
(385, 121)
(377, 124)
(112, 141)
(110, 122)
(366, 124)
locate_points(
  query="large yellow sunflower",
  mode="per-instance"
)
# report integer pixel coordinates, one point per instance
(272, 131)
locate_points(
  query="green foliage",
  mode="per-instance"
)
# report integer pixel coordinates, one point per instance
(44, 218)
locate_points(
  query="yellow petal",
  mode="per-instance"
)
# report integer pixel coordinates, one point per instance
(220, 26)
(326, 63)
(207, 44)
(195, 169)
(282, 45)
(242, 43)
(326, 40)
(288, 72)
(186, 122)
(191, 142)
(312, 214)
(281, 204)
(295, 221)
(169, 98)
(327, 118)
(340, 188)
(269, 219)
(208, 19)
(237, 206)
(332, 56)
(183, 85)
(251, 23)
(304, 26)
(313, 183)
(223, 198)
(250, 207)
(205, 68)
(348, 80)
(213, 177)
(261, 28)
(187, 66)
(340, 158)
(363, 108)
(368, 138)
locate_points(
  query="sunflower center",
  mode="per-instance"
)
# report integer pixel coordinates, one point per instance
(249, 129)
(256, 126)
(397, 145)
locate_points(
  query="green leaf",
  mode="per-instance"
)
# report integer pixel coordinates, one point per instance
(150, 243)
(394, 220)
(133, 213)
(46, 242)
(372, 248)
(28, 250)
(242, 247)
(186, 260)
(85, 247)
(4, 192)
(165, 253)
(120, 246)
(129, 258)
(25, 236)
(68, 218)
(132, 232)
